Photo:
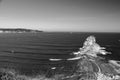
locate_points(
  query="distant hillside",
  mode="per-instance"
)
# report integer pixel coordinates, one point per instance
(17, 30)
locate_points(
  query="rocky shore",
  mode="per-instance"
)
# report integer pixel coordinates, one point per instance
(89, 66)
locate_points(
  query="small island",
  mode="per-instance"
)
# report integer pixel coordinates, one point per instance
(18, 30)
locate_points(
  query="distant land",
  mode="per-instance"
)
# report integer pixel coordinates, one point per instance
(18, 30)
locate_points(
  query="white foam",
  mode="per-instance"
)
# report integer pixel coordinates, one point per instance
(55, 59)
(53, 68)
(75, 58)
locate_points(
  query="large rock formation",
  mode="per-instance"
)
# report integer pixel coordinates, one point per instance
(93, 67)
(90, 66)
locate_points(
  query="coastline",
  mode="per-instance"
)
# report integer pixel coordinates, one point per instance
(18, 30)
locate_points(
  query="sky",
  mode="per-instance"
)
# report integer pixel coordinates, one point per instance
(61, 15)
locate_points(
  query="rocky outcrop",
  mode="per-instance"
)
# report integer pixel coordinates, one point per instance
(92, 66)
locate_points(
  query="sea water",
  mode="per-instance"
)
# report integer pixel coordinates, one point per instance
(30, 53)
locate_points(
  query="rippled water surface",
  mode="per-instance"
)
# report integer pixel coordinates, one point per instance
(29, 53)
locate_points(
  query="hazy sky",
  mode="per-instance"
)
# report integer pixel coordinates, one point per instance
(61, 15)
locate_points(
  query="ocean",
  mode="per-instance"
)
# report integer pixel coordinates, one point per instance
(29, 53)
